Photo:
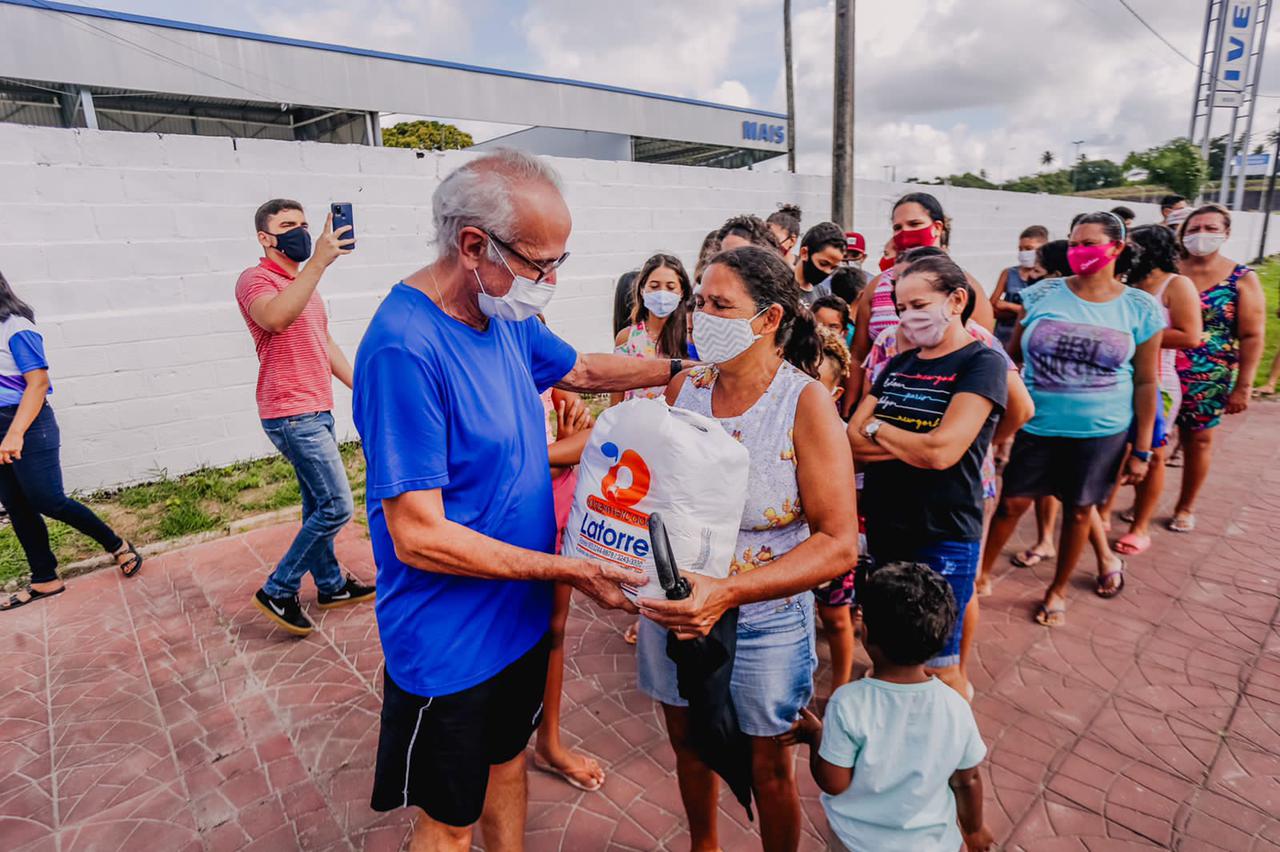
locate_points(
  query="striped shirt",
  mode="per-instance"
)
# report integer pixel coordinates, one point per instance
(23, 351)
(294, 376)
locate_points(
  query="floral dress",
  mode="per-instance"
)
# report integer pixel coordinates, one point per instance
(640, 345)
(1208, 372)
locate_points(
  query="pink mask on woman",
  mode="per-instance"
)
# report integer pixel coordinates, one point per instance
(1086, 260)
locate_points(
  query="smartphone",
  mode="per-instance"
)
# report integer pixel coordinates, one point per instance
(341, 218)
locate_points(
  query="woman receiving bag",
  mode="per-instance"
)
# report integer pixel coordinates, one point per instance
(796, 533)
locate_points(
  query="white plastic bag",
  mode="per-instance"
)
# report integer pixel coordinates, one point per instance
(644, 457)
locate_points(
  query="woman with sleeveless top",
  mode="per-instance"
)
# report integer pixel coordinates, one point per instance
(1218, 374)
(657, 330)
(797, 530)
(918, 220)
(1156, 272)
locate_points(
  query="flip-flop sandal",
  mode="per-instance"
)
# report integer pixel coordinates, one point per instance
(542, 766)
(14, 602)
(1045, 616)
(1132, 545)
(1104, 589)
(1127, 516)
(1183, 524)
(134, 565)
(1029, 558)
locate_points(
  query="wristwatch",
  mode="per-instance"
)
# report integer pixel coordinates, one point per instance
(869, 431)
(1141, 455)
(676, 366)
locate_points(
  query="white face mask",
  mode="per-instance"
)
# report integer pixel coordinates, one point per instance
(1027, 259)
(661, 303)
(1203, 243)
(525, 299)
(721, 339)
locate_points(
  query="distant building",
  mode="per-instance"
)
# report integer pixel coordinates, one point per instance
(75, 66)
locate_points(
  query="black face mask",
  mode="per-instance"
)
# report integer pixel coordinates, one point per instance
(294, 244)
(813, 276)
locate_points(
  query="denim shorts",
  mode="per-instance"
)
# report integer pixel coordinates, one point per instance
(772, 667)
(957, 562)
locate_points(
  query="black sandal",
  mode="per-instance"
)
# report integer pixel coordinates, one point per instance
(134, 565)
(14, 602)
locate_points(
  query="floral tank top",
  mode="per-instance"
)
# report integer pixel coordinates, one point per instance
(640, 345)
(773, 521)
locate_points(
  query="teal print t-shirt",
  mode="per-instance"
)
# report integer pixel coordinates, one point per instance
(1078, 358)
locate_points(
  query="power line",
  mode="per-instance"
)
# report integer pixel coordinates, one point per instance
(1157, 34)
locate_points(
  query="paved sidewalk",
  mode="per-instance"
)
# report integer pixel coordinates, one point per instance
(162, 713)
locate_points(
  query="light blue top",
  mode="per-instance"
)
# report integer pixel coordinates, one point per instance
(904, 742)
(1078, 358)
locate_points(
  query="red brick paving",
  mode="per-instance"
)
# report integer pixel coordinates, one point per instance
(162, 713)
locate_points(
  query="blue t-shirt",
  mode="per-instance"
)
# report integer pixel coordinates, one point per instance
(1078, 358)
(439, 404)
(903, 741)
(22, 352)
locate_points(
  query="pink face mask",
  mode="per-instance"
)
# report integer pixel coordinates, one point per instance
(1086, 260)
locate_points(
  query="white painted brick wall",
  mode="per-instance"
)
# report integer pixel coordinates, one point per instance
(129, 245)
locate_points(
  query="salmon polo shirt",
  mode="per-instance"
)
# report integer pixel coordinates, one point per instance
(294, 376)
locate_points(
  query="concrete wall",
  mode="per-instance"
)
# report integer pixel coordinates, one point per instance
(128, 246)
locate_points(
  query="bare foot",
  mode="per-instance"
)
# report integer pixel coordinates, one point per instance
(1265, 390)
(632, 634)
(982, 587)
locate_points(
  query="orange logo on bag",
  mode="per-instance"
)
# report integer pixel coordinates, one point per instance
(637, 471)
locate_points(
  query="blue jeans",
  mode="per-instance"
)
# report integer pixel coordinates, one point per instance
(31, 490)
(310, 444)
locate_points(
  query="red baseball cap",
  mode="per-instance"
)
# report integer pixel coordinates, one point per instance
(853, 241)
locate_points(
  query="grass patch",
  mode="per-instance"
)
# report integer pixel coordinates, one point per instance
(1269, 274)
(172, 507)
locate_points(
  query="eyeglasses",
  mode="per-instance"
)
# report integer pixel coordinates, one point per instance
(544, 268)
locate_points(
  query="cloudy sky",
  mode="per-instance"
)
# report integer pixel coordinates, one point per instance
(943, 86)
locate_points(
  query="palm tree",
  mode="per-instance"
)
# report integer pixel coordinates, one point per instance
(1047, 158)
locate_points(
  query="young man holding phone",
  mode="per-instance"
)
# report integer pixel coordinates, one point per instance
(298, 360)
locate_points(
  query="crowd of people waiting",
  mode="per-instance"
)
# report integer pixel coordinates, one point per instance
(898, 426)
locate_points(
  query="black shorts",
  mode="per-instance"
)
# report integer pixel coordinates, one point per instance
(1078, 471)
(436, 752)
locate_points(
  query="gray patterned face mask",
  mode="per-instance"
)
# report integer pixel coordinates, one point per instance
(721, 339)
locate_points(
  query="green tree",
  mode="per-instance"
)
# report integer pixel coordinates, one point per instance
(1053, 183)
(1098, 174)
(1176, 164)
(426, 135)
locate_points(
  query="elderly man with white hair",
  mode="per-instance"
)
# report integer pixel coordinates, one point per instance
(459, 499)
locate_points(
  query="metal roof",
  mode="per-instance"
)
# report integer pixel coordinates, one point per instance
(102, 48)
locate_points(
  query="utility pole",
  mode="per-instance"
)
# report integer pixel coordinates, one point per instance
(842, 118)
(791, 87)
(1267, 199)
(1075, 163)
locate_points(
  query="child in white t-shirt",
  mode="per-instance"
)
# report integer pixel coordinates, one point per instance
(897, 755)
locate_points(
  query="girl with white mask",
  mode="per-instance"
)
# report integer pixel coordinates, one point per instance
(658, 326)
(1218, 374)
(798, 531)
